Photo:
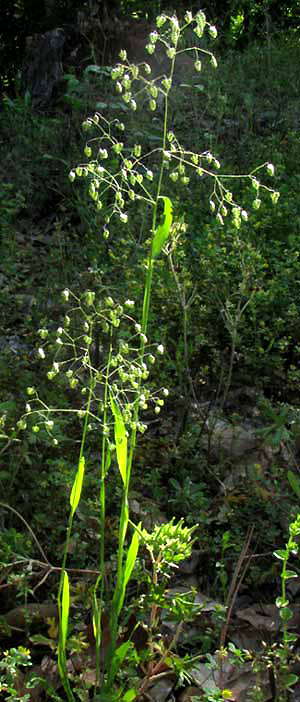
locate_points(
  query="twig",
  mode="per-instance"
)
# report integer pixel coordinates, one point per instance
(154, 673)
(6, 446)
(41, 550)
(235, 584)
(51, 568)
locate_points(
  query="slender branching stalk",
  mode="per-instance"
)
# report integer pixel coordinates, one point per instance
(124, 394)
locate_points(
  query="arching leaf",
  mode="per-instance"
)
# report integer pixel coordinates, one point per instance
(65, 610)
(77, 486)
(120, 439)
(162, 231)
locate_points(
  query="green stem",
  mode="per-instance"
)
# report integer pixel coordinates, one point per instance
(61, 652)
(102, 501)
(284, 599)
(148, 282)
(124, 519)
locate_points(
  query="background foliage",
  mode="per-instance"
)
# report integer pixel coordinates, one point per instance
(240, 21)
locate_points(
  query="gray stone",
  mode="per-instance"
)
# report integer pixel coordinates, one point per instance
(43, 68)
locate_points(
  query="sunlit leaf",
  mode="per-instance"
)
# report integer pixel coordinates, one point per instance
(131, 556)
(162, 231)
(281, 602)
(77, 486)
(130, 561)
(65, 611)
(281, 554)
(120, 439)
(129, 695)
(289, 574)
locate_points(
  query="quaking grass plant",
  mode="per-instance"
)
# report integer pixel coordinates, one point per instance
(115, 390)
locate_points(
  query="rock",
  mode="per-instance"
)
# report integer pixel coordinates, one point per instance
(189, 692)
(189, 565)
(232, 441)
(161, 690)
(43, 69)
(21, 617)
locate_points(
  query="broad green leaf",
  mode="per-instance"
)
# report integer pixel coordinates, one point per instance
(130, 561)
(162, 231)
(289, 574)
(131, 556)
(294, 482)
(225, 540)
(281, 602)
(290, 679)
(290, 638)
(120, 439)
(281, 554)
(130, 695)
(285, 614)
(119, 657)
(65, 611)
(97, 609)
(77, 486)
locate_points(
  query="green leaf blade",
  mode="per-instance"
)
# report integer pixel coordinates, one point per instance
(77, 486)
(120, 439)
(162, 231)
(65, 611)
(119, 656)
(131, 556)
(286, 614)
(280, 554)
(127, 570)
(289, 574)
